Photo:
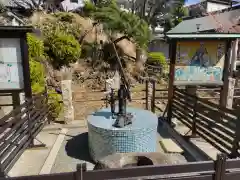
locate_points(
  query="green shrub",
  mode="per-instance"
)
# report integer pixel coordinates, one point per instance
(157, 58)
(65, 17)
(88, 8)
(87, 49)
(35, 47)
(37, 76)
(63, 49)
(52, 25)
(37, 71)
(55, 106)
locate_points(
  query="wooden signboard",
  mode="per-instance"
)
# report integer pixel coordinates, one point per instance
(11, 69)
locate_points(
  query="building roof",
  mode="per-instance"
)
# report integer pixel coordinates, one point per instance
(227, 21)
(203, 36)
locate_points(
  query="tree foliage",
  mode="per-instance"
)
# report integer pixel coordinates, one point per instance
(115, 20)
(158, 12)
(63, 49)
(157, 58)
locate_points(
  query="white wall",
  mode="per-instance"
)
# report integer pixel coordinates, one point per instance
(68, 5)
(216, 7)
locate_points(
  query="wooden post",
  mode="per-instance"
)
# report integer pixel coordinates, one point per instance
(172, 51)
(235, 146)
(26, 68)
(231, 80)
(49, 118)
(153, 96)
(226, 73)
(220, 167)
(194, 125)
(81, 168)
(146, 94)
(15, 99)
(30, 125)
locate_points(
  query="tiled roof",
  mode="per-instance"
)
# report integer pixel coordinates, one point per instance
(226, 22)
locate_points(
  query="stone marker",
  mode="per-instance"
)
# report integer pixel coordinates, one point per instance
(67, 100)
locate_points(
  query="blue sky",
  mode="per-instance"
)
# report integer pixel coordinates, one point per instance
(192, 1)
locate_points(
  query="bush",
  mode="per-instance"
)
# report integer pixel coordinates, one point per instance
(157, 58)
(87, 49)
(55, 106)
(65, 17)
(63, 49)
(37, 71)
(35, 47)
(61, 23)
(37, 76)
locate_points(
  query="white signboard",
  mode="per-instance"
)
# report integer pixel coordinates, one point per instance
(11, 70)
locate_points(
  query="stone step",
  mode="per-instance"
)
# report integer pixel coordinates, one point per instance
(169, 146)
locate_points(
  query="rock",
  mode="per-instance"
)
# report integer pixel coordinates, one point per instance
(120, 160)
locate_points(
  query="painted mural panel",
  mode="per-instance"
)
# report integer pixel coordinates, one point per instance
(200, 61)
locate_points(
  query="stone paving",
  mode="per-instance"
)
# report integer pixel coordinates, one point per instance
(32, 160)
(72, 151)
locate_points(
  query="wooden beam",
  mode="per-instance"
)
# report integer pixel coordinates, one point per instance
(172, 54)
(226, 73)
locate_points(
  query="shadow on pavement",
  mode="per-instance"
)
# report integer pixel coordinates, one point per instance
(77, 147)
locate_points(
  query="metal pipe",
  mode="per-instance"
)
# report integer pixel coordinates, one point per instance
(112, 102)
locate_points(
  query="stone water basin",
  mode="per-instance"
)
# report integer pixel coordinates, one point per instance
(104, 139)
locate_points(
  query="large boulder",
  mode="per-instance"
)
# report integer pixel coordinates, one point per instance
(120, 160)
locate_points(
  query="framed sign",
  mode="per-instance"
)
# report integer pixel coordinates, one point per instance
(200, 61)
(11, 69)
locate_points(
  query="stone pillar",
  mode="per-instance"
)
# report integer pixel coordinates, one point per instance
(150, 92)
(230, 93)
(22, 97)
(67, 100)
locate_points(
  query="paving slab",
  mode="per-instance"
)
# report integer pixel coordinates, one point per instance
(74, 150)
(198, 142)
(47, 166)
(169, 146)
(32, 160)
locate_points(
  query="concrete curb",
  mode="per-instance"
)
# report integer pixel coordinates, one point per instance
(60, 127)
(47, 166)
(76, 124)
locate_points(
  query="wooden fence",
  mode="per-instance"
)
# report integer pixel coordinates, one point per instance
(19, 128)
(217, 125)
(221, 169)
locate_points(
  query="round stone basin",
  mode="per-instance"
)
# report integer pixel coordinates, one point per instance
(104, 139)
